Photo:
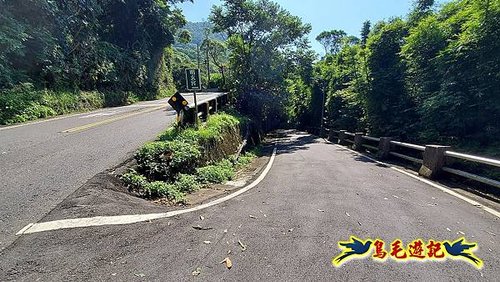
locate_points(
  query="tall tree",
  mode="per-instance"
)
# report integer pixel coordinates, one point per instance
(260, 33)
(185, 36)
(365, 31)
(331, 40)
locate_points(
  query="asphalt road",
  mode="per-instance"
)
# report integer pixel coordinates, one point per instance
(315, 195)
(41, 163)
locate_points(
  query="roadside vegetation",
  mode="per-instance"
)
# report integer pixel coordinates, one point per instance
(183, 160)
(431, 76)
(64, 56)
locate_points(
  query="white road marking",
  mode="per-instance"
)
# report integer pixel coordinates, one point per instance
(24, 229)
(129, 219)
(55, 118)
(431, 183)
(101, 114)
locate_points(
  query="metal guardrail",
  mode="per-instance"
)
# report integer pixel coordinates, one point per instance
(206, 107)
(472, 176)
(370, 147)
(473, 158)
(438, 157)
(405, 157)
(408, 145)
(371, 138)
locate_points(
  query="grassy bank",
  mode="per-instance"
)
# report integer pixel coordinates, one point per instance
(23, 103)
(184, 160)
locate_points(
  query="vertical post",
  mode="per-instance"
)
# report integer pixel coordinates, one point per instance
(342, 137)
(331, 135)
(384, 147)
(195, 108)
(358, 141)
(198, 54)
(322, 115)
(434, 160)
(208, 63)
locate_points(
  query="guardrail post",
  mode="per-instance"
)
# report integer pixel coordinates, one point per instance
(331, 135)
(434, 160)
(342, 137)
(358, 141)
(384, 147)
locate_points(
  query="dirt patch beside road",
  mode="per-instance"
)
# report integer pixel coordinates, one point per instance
(106, 195)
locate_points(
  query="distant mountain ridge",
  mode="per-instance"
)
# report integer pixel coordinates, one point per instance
(197, 30)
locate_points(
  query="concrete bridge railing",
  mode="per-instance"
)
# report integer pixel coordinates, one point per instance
(431, 159)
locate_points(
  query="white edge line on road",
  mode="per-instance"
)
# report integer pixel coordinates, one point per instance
(129, 219)
(428, 182)
(24, 229)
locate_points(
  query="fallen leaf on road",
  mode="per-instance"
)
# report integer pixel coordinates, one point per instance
(243, 247)
(196, 272)
(207, 242)
(202, 228)
(253, 216)
(228, 263)
(202, 217)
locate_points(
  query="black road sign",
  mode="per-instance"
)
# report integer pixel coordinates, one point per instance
(193, 81)
(178, 102)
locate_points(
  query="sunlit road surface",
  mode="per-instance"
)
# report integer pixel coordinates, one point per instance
(41, 163)
(284, 229)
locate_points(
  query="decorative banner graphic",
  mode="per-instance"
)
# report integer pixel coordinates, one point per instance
(417, 250)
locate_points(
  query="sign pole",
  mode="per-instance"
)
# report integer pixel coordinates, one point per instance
(195, 108)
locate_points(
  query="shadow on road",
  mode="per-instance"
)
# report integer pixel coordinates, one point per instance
(292, 141)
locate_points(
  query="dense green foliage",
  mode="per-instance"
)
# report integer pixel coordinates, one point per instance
(23, 103)
(183, 159)
(265, 42)
(434, 77)
(112, 46)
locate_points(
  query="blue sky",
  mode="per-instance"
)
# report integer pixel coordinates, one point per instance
(347, 15)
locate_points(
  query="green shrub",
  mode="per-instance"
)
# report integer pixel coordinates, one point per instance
(116, 98)
(134, 180)
(218, 173)
(187, 183)
(216, 125)
(164, 160)
(246, 159)
(23, 103)
(160, 189)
